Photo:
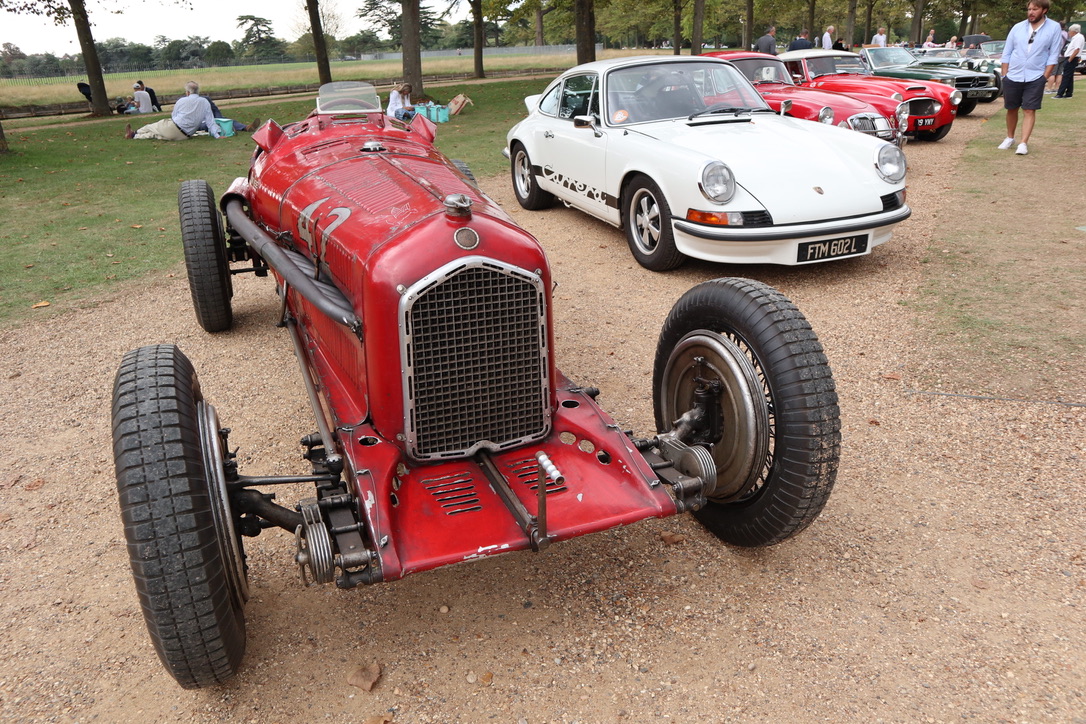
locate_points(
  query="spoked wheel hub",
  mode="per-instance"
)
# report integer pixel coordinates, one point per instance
(741, 445)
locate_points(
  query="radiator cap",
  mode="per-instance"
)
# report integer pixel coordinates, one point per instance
(458, 205)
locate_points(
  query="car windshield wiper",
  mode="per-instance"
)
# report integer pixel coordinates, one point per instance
(720, 108)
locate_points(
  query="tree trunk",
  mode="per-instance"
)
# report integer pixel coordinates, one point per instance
(99, 101)
(3, 140)
(584, 18)
(850, 24)
(539, 41)
(816, 32)
(676, 26)
(477, 35)
(411, 44)
(748, 26)
(695, 31)
(320, 48)
(916, 32)
(869, 7)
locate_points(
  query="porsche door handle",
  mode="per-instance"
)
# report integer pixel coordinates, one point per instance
(548, 134)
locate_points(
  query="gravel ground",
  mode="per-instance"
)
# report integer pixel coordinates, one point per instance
(945, 580)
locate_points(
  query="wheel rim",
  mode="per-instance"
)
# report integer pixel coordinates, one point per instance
(645, 221)
(523, 174)
(229, 542)
(743, 454)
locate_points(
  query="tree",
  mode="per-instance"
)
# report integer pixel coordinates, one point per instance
(258, 40)
(584, 20)
(219, 53)
(60, 13)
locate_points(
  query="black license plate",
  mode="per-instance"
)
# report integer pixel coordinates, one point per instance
(925, 121)
(832, 248)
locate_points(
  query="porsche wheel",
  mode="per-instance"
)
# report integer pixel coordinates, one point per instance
(967, 106)
(776, 440)
(937, 135)
(205, 256)
(525, 186)
(186, 556)
(646, 218)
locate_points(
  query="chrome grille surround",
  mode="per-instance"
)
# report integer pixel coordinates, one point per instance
(473, 344)
(873, 124)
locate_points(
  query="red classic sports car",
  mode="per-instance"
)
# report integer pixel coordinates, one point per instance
(932, 106)
(421, 318)
(875, 115)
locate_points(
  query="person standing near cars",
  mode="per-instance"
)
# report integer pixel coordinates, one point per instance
(1072, 57)
(768, 42)
(827, 38)
(879, 38)
(803, 42)
(1029, 57)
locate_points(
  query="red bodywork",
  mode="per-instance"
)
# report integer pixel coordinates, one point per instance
(930, 103)
(776, 86)
(376, 222)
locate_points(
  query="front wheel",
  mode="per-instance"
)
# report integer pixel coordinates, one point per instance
(525, 186)
(185, 553)
(937, 135)
(646, 218)
(967, 106)
(776, 435)
(205, 256)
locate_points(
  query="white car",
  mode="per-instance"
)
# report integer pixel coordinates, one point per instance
(687, 158)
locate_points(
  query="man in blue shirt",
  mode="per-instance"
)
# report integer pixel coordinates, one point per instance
(1029, 57)
(802, 42)
(190, 114)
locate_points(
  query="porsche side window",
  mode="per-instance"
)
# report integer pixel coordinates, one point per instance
(576, 95)
(549, 103)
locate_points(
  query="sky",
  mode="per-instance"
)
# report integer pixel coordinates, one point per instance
(141, 21)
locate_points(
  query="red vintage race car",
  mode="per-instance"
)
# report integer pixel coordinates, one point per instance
(876, 115)
(421, 318)
(932, 106)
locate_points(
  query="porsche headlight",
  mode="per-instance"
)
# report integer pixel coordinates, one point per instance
(955, 98)
(717, 182)
(902, 114)
(825, 115)
(890, 163)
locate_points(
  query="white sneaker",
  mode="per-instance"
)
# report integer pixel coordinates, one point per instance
(1007, 143)
(1022, 149)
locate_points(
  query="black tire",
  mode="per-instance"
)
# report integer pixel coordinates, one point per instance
(777, 457)
(646, 219)
(186, 558)
(205, 256)
(967, 106)
(525, 186)
(937, 135)
(463, 168)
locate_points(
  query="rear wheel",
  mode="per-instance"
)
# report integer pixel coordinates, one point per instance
(186, 556)
(646, 217)
(777, 450)
(937, 135)
(525, 186)
(205, 256)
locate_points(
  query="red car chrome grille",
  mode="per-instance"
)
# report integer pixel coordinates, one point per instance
(474, 345)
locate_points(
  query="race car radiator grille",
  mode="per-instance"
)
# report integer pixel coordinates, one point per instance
(474, 346)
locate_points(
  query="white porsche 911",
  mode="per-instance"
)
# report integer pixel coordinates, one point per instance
(687, 158)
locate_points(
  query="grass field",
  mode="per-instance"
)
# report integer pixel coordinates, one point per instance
(216, 80)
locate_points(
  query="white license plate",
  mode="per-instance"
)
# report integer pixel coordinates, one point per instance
(831, 248)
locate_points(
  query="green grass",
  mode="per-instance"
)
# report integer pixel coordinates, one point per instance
(1006, 272)
(85, 209)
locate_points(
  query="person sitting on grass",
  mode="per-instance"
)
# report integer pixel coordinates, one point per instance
(399, 103)
(190, 114)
